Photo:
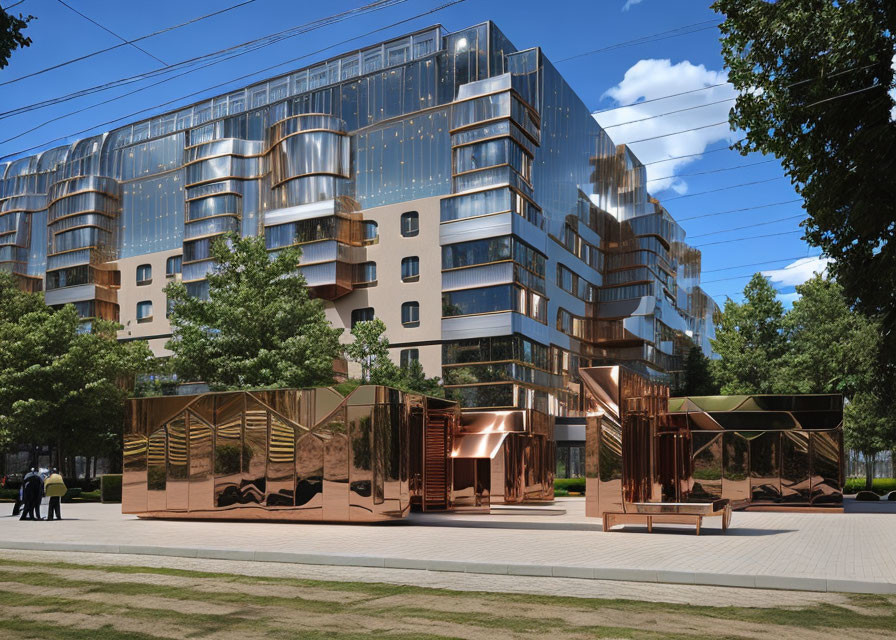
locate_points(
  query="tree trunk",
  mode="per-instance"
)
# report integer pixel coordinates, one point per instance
(869, 471)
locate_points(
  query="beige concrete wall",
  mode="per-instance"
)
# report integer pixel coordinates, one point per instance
(390, 292)
(130, 294)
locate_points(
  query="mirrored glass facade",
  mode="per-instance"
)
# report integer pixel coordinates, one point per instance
(531, 226)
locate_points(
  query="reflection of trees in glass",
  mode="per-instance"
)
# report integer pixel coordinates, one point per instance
(155, 478)
(227, 458)
(361, 445)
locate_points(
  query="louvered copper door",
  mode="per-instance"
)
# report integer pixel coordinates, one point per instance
(435, 463)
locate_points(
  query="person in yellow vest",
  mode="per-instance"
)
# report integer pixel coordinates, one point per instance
(54, 488)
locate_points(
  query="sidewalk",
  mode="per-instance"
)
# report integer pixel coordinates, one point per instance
(850, 552)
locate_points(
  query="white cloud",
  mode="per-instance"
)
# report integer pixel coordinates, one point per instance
(630, 3)
(649, 79)
(797, 272)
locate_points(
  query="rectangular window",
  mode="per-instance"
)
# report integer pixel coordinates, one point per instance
(173, 265)
(503, 297)
(362, 315)
(144, 275)
(410, 314)
(144, 311)
(406, 356)
(410, 269)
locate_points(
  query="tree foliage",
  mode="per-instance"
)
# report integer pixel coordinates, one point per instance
(831, 349)
(259, 326)
(697, 378)
(819, 346)
(814, 77)
(60, 384)
(750, 340)
(370, 349)
(11, 34)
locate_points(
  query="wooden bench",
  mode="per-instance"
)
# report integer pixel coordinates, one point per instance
(669, 513)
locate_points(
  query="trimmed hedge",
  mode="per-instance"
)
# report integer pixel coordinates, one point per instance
(569, 485)
(110, 487)
(867, 496)
(880, 486)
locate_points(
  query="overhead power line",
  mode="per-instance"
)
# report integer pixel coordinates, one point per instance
(667, 113)
(235, 50)
(750, 275)
(749, 226)
(759, 264)
(14, 4)
(107, 30)
(675, 133)
(712, 24)
(232, 80)
(759, 206)
(733, 186)
(767, 235)
(701, 173)
(126, 42)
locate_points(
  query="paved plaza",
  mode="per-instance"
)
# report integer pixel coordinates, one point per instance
(850, 552)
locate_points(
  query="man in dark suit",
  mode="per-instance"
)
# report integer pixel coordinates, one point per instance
(33, 490)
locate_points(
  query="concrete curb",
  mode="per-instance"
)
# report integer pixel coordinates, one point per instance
(793, 583)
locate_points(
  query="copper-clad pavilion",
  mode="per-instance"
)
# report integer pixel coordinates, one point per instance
(312, 454)
(755, 451)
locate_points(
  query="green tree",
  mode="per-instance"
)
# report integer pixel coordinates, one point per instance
(370, 349)
(814, 77)
(869, 426)
(831, 349)
(697, 378)
(750, 340)
(11, 36)
(61, 384)
(258, 328)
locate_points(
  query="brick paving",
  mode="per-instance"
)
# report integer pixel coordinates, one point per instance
(807, 551)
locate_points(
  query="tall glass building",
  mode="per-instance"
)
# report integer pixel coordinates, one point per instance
(449, 184)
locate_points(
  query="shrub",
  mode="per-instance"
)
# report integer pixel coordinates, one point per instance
(71, 492)
(110, 487)
(890, 496)
(880, 486)
(867, 496)
(569, 485)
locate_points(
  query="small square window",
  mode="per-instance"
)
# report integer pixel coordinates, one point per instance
(144, 311)
(362, 315)
(173, 266)
(410, 224)
(410, 314)
(406, 356)
(410, 269)
(144, 275)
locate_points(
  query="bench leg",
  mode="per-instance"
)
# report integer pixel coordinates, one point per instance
(698, 524)
(649, 524)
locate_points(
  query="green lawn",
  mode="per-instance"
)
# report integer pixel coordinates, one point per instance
(59, 600)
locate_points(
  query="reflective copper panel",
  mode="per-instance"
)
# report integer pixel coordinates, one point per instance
(643, 447)
(311, 454)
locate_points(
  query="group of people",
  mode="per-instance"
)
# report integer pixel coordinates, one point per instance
(34, 487)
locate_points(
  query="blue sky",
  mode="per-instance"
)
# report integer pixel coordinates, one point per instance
(567, 31)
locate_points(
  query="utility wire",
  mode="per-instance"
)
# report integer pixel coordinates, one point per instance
(750, 275)
(248, 75)
(701, 173)
(107, 30)
(760, 206)
(15, 4)
(675, 133)
(242, 48)
(650, 38)
(759, 264)
(767, 235)
(126, 42)
(722, 84)
(733, 186)
(666, 113)
(749, 226)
